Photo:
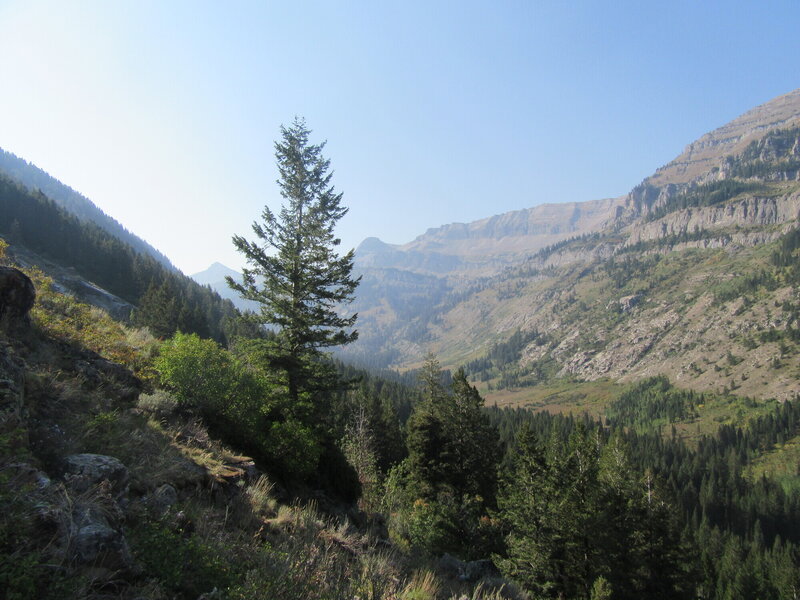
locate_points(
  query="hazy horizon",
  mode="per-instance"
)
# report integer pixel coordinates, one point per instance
(164, 115)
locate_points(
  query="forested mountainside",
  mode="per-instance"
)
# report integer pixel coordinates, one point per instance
(691, 277)
(99, 267)
(75, 203)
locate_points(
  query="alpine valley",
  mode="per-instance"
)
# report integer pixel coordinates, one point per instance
(692, 275)
(578, 400)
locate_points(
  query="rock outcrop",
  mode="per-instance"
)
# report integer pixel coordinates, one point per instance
(69, 281)
(97, 539)
(86, 470)
(748, 212)
(17, 295)
(471, 571)
(702, 155)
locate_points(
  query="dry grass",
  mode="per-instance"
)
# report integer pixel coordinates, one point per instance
(424, 585)
(560, 396)
(259, 496)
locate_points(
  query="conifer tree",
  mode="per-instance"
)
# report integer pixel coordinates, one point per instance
(294, 270)
(451, 444)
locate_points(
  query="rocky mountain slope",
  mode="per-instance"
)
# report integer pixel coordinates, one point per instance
(108, 491)
(686, 276)
(702, 156)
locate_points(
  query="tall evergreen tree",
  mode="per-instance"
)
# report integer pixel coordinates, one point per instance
(294, 270)
(451, 444)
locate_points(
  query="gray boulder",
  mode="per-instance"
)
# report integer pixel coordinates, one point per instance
(83, 471)
(17, 294)
(95, 537)
(102, 546)
(162, 498)
(472, 571)
(476, 570)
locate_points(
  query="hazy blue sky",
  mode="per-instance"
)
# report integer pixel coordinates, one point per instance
(164, 113)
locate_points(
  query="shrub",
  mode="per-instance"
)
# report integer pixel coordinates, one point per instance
(198, 371)
(186, 565)
(161, 404)
(238, 405)
(292, 449)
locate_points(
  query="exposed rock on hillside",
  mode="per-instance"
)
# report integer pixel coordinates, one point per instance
(606, 302)
(69, 281)
(17, 294)
(87, 470)
(750, 211)
(490, 244)
(702, 155)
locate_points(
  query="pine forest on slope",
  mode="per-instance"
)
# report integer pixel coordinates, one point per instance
(111, 273)
(64, 196)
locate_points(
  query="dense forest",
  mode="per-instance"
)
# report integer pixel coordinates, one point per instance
(564, 505)
(613, 499)
(166, 301)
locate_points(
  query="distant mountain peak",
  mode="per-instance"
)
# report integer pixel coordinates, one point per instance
(215, 273)
(373, 244)
(214, 276)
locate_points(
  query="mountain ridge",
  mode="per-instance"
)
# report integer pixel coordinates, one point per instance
(481, 246)
(731, 137)
(465, 246)
(34, 178)
(680, 272)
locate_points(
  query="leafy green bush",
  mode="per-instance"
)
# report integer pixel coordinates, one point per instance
(200, 373)
(458, 527)
(239, 404)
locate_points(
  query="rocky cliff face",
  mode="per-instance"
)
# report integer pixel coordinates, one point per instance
(702, 155)
(486, 246)
(569, 218)
(490, 244)
(748, 212)
(708, 158)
